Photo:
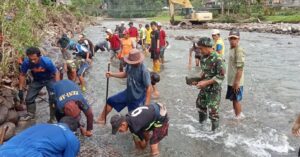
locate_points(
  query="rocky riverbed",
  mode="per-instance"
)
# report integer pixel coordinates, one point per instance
(278, 28)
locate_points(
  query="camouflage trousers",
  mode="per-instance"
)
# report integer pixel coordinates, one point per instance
(209, 100)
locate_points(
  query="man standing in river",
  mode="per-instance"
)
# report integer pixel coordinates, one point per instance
(236, 63)
(138, 89)
(210, 84)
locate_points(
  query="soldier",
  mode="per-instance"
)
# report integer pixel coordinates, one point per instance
(211, 78)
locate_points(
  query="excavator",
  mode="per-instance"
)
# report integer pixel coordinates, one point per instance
(191, 16)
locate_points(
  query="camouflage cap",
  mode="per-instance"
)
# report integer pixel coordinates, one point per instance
(205, 41)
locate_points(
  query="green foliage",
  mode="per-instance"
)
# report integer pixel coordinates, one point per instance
(134, 8)
(89, 7)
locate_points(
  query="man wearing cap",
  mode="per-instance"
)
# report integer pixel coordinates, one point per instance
(218, 46)
(212, 76)
(127, 44)
(115, 43)
(133, 33)
(236, 63)
(44, 140)
(155, 47)
(70, 102)
(138, 89)
(162, 42)
(141, 122)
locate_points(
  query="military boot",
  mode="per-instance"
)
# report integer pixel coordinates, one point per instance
(202, 117)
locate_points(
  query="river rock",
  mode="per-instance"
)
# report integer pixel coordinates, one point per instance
(3, 114)
(9, 102)
(10, 131)
(12, 116)
(6, 92)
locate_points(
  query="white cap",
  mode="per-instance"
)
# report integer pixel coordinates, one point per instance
(109, 31)
(215, 32)
(159, 24)
(122, 22)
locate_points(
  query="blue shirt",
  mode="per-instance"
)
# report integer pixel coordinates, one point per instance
(138, 79)
(66, 90)
(44, 70)
(51, 140)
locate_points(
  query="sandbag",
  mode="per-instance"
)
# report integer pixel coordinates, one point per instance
(12, 116)
(11, 128)
(3, 114)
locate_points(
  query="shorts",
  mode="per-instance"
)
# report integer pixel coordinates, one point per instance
(162, 52)
(120, 101)
(160, 132)
(82, 69)
(234, 96)
(154, 55)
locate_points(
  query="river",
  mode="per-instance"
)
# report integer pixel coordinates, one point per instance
(270, 104)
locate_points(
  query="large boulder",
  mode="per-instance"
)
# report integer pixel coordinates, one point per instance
(3, 114)
(10, 131)
(12, 116)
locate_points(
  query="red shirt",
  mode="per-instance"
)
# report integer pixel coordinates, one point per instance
(162, 38)
(133, 32)
(115, 42)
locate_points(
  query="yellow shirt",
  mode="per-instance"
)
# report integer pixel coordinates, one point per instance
(219, 42)
(148, 36)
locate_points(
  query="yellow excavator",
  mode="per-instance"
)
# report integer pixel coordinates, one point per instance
(191, 16)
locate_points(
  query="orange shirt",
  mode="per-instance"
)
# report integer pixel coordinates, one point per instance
(127, 46)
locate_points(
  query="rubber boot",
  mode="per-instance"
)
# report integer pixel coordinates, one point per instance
(215, 125)
(202, 117)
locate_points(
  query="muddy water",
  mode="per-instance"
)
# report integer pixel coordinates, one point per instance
(271, 102)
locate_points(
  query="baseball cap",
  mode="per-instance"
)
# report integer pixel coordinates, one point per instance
(215, 32)
(115, 122)
(159, 24)
(71, 109)
(205, 41)
(234, 33)
(122, 22)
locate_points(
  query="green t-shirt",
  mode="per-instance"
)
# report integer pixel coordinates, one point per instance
(236, 60)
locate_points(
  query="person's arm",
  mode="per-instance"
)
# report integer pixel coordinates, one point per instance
(190, 57)
(57, 76)
(296, 127)
(240, 61)
(117, 74)
(219, 48)
(148, 95)
(218, 78)
(89, 119)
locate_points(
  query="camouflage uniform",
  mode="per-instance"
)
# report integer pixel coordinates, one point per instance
(209, 98)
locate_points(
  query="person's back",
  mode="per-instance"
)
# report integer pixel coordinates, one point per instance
(51, 140)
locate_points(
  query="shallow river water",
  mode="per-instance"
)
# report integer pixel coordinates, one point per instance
(270, 104)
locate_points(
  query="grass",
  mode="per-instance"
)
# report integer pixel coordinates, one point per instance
(286, 19)
(163, 18)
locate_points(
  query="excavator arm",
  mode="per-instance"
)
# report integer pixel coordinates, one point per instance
(184, 3)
